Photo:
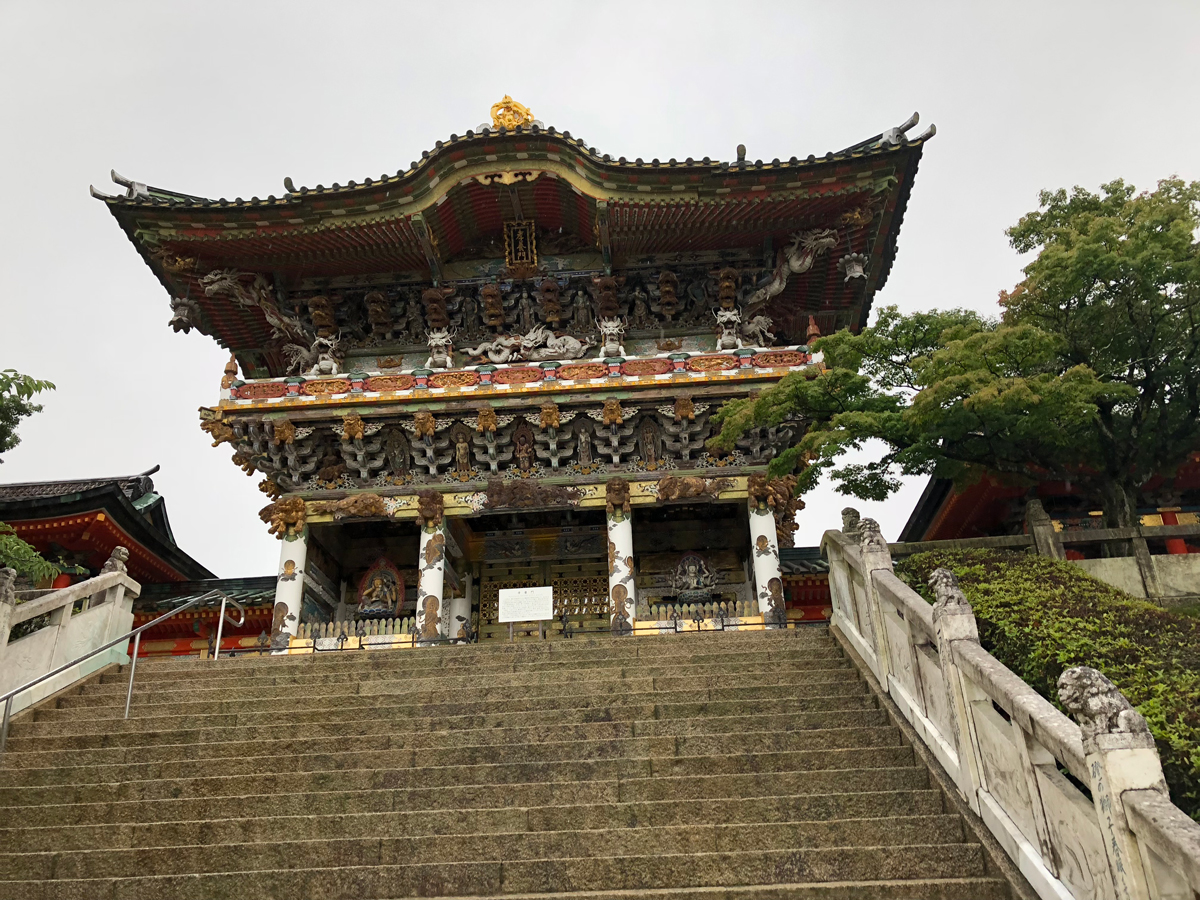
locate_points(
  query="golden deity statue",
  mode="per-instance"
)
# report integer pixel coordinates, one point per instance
(508, 113)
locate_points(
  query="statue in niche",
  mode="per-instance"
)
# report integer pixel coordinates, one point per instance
(462, 456)
(415, 321)
(470, 315)
(648, 438)
(380, 591)
(581, 312)
(399, 457)
(523, 447)
(641, 308)
(585, 445)
(525, 306)
(693, 580)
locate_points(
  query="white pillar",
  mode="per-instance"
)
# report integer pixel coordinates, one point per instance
(459, 607)
(431, 582)
(622, 592)
(289, 589)
(768, 579)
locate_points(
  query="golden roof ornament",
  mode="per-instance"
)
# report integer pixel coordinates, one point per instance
(509, 114)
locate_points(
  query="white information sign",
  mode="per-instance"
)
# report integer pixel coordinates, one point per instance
(527, 604)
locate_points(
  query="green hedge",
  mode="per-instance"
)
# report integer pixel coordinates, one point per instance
(1040, 616)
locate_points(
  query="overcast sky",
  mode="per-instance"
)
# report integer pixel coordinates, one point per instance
(225, 99)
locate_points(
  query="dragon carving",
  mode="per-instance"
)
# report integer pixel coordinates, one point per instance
(796, 259)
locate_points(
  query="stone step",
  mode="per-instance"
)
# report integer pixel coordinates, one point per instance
(592, 782)
(618, 872)
(457, 659)
(113, 826)
(433, 690)
(333, 684)
(515, 700)
(614, 735)
(565, 709)
(377, 849)
(413, 768)
(22, 751)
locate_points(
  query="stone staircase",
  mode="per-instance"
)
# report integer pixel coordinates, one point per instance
(718, 766)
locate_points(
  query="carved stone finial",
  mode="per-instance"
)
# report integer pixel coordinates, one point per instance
(946, 592)
(850, 521)
(1098, 706)
(8, 594)
(870, 537)
(116, 561)
(1035, 513)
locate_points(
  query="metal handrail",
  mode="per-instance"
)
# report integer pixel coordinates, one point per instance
(136, 634)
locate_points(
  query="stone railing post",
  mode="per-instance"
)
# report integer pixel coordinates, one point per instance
(622, 591)
(1041, 529)
(875, 557)
(8, 602)
(1120, 755)
(954, 620)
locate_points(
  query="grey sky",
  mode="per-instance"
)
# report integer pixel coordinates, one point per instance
(225, 99)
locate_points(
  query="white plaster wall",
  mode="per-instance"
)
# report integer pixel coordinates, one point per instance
(1178, 574)
(1119, 571)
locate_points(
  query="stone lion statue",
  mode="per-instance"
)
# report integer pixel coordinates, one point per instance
(1097, 705)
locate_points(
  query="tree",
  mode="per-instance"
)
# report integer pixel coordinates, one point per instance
(16, 391)
(1092, 374)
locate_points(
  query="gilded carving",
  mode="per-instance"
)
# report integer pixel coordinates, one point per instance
(354, 506)
(685, 408)
(322, 388)
(283, 432)
(353, 427)
(270, 488)
(711, 363)
(527, 494)
(453, 379)
(265, 390)
(383, 383)
(673, 487)
(510, 114)
(548, 416)
(612, 413)
(244, 461)
(423, 424)
(231, 370)
(430, 505)
(285, 517)
(616, 497)
(486, 421)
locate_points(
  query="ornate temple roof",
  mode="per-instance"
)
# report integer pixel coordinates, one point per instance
(85, 519)
(441, 220)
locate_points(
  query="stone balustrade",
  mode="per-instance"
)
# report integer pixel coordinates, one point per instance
(81, 618)
(1007, 748)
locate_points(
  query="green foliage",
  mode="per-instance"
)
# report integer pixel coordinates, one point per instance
(16, 391)
(1091, 376)
(17, 554)
(1040, 616)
